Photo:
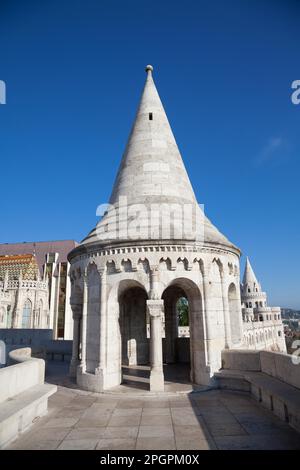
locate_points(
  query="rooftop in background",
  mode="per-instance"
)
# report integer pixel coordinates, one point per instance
(40, 249)
(14, 265)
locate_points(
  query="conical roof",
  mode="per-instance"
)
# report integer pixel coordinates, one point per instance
(151, 183)
(249, 276)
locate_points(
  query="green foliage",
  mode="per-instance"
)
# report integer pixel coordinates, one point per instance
(182, 308)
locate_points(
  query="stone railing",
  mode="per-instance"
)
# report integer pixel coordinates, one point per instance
(26, 284)
(23, 394)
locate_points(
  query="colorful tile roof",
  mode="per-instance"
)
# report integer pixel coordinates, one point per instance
(40, 249)
(14, 265)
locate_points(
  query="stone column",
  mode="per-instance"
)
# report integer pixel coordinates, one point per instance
(103, 327)
(208, 327)
(84, 324)
(155, 308)
(226, 310)
(75, 347)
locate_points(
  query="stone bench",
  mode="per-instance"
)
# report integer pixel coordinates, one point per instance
(23, 394)
(282, 398)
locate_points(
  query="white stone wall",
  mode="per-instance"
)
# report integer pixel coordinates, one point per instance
(12, 302)
(205, 275)
(263, 329)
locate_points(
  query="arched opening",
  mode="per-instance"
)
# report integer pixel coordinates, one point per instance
(26, 314)
(183, 341)
(76, 305)
(175, 344)
(234, 313)
(39, 315)
(2, 317)
(134, 334)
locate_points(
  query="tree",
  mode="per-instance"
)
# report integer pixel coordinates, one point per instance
(182, 308)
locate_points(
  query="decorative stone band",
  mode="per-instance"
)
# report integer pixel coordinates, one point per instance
(82, 252)
(16, 284)
(134, 259)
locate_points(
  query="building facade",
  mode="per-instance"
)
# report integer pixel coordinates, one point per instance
(51, 274)
(23, 295)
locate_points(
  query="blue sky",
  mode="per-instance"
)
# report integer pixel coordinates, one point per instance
(74, 71)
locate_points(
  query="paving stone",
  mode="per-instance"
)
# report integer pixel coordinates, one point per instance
(130, 404)
(155, 443)
(156, 420)
(78, 444)
(127, 412)
(39, 445)
(155, 431)
(156, 411)
(133, 420)
(190, 443)
(199, 432)
(156, 404)
(123, 432)
(50, 434)
(61, 422)
(183, 416)
(258, 442)
(85, 433)
(116, 444)
(226, 429)
(94, 421)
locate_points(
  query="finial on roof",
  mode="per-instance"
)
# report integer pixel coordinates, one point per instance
(149, 68)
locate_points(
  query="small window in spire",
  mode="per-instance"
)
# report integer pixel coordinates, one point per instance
(150, 117)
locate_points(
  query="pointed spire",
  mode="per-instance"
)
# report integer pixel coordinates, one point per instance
(249, 276)
(151, 172)
(152, 165)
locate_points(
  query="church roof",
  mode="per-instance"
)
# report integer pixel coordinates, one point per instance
(13, 266)
(151, 173)
(40, 249)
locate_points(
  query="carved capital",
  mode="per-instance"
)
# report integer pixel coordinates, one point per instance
(155, 307)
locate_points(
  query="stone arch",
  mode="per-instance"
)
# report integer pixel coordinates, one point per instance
(183, 264)
(27, 314)
(143, 265)
(111, 267)
(165, 264)
(39, 314)
(134, 343)
(126, 265)
(197, 264)
(196, 322)
(234, 312)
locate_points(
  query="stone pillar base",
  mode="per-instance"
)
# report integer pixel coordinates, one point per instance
(73, 368)
(157, 383)
(88, 381)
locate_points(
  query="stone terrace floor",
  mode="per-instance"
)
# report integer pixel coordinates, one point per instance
(211, 419)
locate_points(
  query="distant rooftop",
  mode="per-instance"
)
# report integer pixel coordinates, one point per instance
(14, 265)
(40, 249)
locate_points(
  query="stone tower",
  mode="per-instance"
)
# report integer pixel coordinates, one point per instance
(152, 246)
(252, 294)
(263, 328)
